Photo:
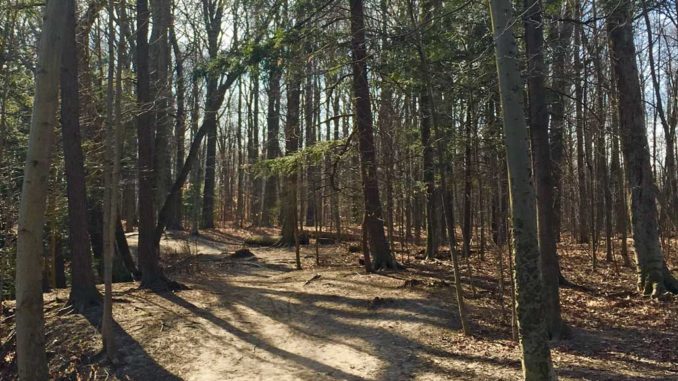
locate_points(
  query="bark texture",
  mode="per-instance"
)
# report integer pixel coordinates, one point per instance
(30, 321)
(536, 359)
(653, 276)
(373, 223)
(83, 289)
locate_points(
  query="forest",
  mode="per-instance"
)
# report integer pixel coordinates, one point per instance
(338, 190)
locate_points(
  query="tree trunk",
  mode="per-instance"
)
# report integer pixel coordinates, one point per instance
(536, 359)
(289, 211)
(270, 197)
(176, 212)
(583, 230)
(213, 15)
(653, 276)
(539, 121)
(374, 223)
(310, 129)
(83, 288)
(561, 89)
(468, 185)
(159, 63)
(30, 334)
(148, 254)
(111, 175)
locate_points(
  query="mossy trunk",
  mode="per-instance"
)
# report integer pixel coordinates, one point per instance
(536, 357)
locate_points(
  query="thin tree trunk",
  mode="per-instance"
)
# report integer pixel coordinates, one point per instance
(582, 232)
(111, 167)
(176, 213)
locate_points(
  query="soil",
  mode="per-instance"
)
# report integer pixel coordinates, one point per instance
(256, 318)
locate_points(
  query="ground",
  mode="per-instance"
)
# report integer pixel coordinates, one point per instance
(259, 319)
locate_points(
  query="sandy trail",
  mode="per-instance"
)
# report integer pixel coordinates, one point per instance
(259, 319)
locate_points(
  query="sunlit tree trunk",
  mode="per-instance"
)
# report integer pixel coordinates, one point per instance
(536, 358)
(30, 321)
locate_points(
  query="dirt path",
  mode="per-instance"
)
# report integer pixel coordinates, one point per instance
(258, 319)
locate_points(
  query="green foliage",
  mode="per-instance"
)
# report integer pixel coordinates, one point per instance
(290, 164)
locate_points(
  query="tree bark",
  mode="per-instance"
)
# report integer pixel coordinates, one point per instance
(583, 229)
(176, 211)
(561, 88)
(653, 276)
(289, 207)
(536, 359)
(270, 197)
(83, 288)
(213, 14)
(159, 64)
(374, 223)
(30, 331)
(539, 121)
(151, 273)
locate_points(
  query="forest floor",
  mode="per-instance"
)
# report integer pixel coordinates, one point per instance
(259, 319)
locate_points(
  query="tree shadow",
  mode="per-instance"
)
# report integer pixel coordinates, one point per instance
(136, 364)
(314, 365)
(329, 318)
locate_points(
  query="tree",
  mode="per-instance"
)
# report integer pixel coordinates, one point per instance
(30, 335)
(272, 138)
(373, 223)
(536, 357)
(111, 174)
(654, 278)
(83, 290)
(213, 12)
(149, 263)
(159, 57)
(289, 212)
(539, 125)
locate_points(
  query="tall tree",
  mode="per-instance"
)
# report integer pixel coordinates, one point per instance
(289, 214)
(373, 223)
(561, 32)
(213, 11)
(539, 125)
(536, 357)
(654, 278)
(83, 289)
(149, 261)
(176, 212)
(30, 330)
(111, 168)
(159, 57)
(272, 138)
